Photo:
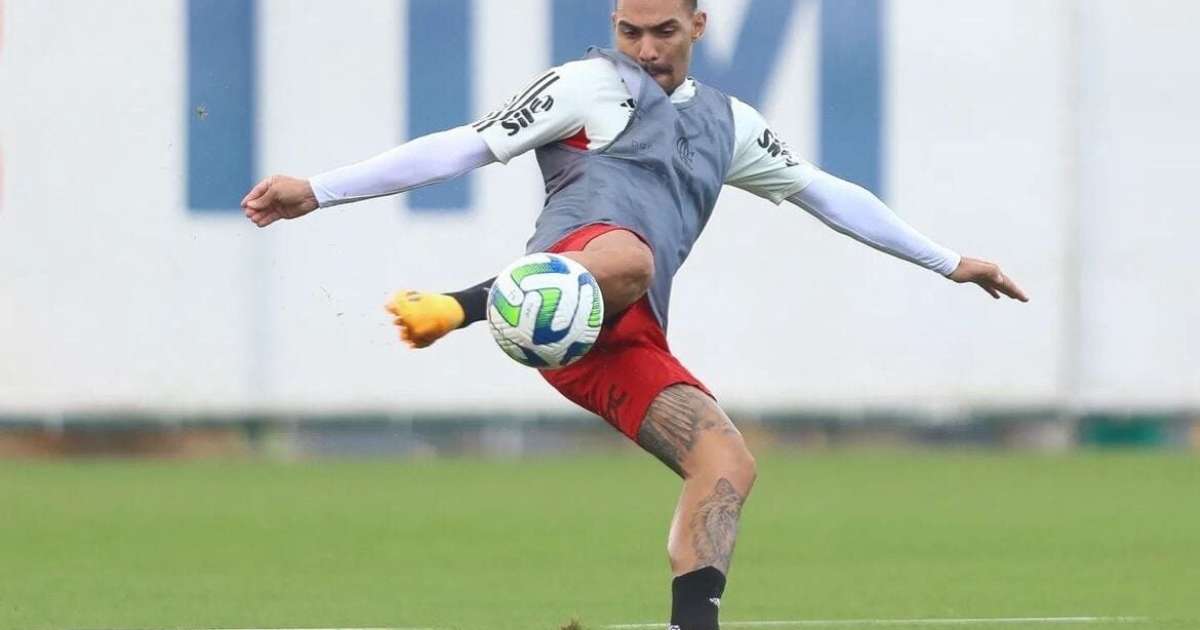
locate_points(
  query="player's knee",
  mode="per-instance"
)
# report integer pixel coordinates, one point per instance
(623, 265)
(735, 463)
(744, 467)
(639, 269)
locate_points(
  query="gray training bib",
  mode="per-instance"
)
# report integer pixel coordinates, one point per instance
(660, 178)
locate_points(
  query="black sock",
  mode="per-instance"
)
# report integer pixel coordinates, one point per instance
(696, 599)
(473, 302)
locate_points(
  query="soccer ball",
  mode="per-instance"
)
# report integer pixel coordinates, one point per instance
(545, 311)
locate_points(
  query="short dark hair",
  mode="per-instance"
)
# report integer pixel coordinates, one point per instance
(694, 5)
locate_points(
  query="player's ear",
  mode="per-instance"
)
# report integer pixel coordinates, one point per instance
(699, 23)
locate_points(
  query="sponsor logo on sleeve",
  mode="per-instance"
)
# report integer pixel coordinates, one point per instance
(517, 121)
(776, 148)
(521, 111)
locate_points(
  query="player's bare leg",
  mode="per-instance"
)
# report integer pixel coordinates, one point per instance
(621, 263)
(687, 431)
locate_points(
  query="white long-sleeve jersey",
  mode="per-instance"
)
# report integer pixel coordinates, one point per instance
(585, 104)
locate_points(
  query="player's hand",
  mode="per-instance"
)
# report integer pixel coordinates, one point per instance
(279, 197)
(989, 277)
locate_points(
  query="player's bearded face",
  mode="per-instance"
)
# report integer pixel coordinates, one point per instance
(659, 34)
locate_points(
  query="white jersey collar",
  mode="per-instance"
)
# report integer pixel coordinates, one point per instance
(685, 92)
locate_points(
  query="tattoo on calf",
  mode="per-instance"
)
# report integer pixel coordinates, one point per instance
(714, 527)
(675, 421)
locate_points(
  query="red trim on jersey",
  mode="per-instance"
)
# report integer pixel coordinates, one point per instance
(579, 141)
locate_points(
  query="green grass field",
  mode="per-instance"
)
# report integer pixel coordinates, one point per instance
(525, 545)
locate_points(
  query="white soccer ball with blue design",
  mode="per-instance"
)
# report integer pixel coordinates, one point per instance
(545, 311)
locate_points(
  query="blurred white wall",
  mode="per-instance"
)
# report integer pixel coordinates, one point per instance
(1056, 137)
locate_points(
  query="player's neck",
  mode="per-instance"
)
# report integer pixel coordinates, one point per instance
(671, 90)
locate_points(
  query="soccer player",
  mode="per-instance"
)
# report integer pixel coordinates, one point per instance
(634, 153)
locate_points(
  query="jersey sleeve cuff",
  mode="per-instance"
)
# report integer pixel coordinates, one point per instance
(497, 149)
(950, 262)
(325, 197)
(805, 173)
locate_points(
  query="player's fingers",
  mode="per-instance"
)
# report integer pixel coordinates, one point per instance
(262, 203)
(264, 200)
(257, 191)
(266, 218)
(990, 291)
(261, 218)
(1013, 291)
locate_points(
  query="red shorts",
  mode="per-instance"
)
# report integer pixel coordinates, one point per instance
(629, 365)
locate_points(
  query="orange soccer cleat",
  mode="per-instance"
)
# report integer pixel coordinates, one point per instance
(423, 318)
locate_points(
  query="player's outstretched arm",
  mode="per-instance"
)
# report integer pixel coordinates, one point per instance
(426, 160)
(859, 214)
(764, 165)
